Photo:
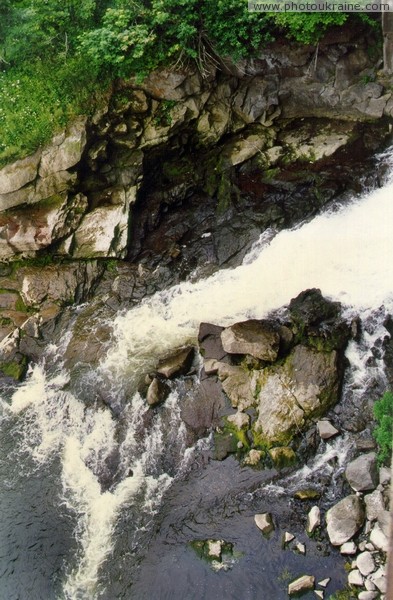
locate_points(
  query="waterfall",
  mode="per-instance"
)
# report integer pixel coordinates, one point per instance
(346, 252)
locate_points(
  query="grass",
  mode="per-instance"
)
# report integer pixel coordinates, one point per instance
(38, 99)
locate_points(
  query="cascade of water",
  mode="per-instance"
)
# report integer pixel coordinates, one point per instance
(347, 254)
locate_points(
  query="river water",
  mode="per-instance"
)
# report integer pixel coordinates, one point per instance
(70, 532)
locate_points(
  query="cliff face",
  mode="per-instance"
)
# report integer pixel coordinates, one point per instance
(76, 196)
(182, 171)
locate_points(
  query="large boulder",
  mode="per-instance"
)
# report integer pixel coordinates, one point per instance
(261, 339)
(344, 519)
(362, 473)
(306, 385)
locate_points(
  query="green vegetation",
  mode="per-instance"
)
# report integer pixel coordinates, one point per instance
(57, 59)
(383, 433)
(15, 369)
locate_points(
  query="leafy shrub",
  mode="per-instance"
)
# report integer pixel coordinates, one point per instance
(383, 433)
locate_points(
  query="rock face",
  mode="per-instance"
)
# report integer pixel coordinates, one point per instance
(344, 520)
(125, 153)
(362, 473)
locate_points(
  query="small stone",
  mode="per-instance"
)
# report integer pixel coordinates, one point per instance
(365, 563)
(301, 548)
(282, 456)
(264, 522)
(384, 475)
(380, 583)
(362, 546)
(355, 578)
(254, 457)
(301, 584)
(211, 366)
(318, 593)
(379, 539)
(214, 548)
(326, 430)
(307, 494)
(288, 537)
(240, 445)
(348, 548)
(367, 595)
(367, 528)
(240, 419)
(313, 519)
(368, 584)
(157, 392)
(369, 547)
(324, 582)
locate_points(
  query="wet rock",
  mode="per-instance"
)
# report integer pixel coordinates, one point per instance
(264, 522)
(310, 309)
(355, 578)
(344, 519)
(209, 341)
(326, 430)
(157, 392)
(257, 338)
(214, 549)
(362, 473)
(349, 548)
(313, 519)
(307, 494)
(224, 444)
(237, 384)
(365, 563)
(178, 363)
(305, 385)
(288, 537)
(301, 548)
(300, 585)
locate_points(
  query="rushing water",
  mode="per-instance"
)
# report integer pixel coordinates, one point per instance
(60, 510)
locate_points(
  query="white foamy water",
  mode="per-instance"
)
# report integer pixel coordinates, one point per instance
(347, 254)
(52, 422)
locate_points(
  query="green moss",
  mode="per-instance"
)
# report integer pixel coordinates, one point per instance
(283, 457)
(15, 369)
